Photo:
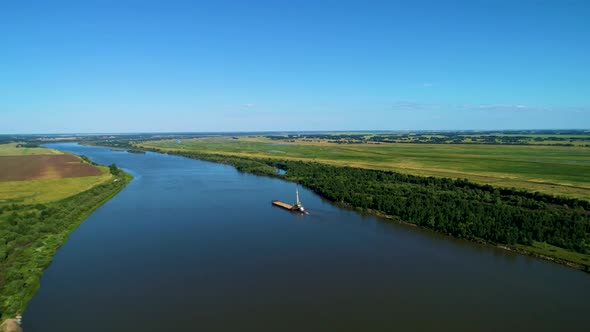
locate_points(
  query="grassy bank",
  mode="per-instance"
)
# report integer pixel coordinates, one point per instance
(32, 233)
(545, 226)
(553, 170)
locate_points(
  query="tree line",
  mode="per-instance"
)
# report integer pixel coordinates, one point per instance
(456, 207)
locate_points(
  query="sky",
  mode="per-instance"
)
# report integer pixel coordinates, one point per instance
(190, 66)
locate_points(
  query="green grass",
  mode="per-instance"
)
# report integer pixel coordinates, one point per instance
(538, 139)
(10, 149)
(48, 190)
(549, 169)
(545, 249)
(31, 234)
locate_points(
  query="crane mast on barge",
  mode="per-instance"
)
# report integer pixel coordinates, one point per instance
(297, 207)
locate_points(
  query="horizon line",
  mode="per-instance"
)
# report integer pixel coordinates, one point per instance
(286, 131)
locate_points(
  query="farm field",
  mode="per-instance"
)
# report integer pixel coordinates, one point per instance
(31, 167)
(555, 170)
(40, 175)
(568, 138)
(48, 190)
(11, 149)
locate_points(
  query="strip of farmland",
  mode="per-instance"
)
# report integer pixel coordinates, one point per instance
(31, 167)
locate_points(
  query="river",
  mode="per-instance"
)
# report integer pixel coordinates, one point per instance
(197, 246)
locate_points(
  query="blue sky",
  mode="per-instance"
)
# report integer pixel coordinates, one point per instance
(137, 66)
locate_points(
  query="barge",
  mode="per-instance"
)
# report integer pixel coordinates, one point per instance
(297, 207)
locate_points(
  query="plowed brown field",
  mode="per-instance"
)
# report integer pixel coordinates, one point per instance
(16, 168)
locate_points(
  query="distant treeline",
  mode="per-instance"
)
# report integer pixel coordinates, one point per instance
(118, 144)
(28, 145)
(457, 207)
(497, 138)
(137, 151)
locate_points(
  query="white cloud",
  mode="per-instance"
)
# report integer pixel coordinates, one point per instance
(504, 107)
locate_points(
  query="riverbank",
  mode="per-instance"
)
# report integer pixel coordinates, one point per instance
(578, 263)
(32, 233)
(553, 170)
(506, 218)
(10, 325)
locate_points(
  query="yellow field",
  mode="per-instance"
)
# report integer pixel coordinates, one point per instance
(10, 149)
(46, 189)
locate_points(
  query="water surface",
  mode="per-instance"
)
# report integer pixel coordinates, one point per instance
(197, 246)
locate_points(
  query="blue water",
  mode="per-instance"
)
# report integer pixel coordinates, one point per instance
(197, 246)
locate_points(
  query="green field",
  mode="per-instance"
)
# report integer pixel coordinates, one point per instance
(554, 170)
(11, 149)
(569, 138)
(48, 190)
